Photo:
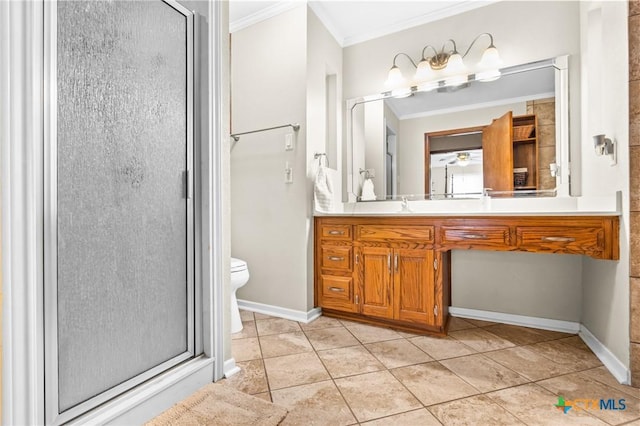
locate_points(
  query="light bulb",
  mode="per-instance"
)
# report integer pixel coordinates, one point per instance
(427, 86)
(455, 65)
(490, 59)
(424, 71)
(395, 77)
(456, 71)
(488, 67)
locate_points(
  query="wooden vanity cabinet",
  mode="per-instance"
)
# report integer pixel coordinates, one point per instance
(394, 279)
(334, 262)
(395, 271)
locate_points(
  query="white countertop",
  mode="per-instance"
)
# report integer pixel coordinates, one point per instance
(529, 206)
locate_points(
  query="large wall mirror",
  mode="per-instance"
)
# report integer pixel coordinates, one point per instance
(509, 135)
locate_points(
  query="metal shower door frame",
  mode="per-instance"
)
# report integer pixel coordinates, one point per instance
(194, 342)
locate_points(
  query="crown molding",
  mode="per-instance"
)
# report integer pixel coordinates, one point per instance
(261, 15)
(458, 8)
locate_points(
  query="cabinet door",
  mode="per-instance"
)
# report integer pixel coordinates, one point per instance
(414, 277)
(497, 154)
(374, 275)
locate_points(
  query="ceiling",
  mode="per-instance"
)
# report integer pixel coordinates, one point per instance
(352, 22)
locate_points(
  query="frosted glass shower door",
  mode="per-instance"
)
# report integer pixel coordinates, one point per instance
(119, 280)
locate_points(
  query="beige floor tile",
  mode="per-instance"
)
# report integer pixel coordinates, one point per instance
(479, 323)
(284, 344)
(246, 315)
(574, 340)
(251, 379)
(518, 335)
(264, 395)
(577, 386)
(476, 410)
(577, 358)
(481, 340)
(349, 361)
(331, 338)
(420, 417)
(397, 353)
(483, 373)
(528, 362)
(535, 405)
(276, 326)
(409, 334)
(603, 375)
(248, 330)
(369, 334)
(294, 370)
(432, 383)
(314, 404)
(442, 347)
(321, 322)
(375, 395)
(246, 349)
(456, 323)
(260, 316)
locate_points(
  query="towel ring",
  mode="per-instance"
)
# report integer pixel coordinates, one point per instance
(366, 173)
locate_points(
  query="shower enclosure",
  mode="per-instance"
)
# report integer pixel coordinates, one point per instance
(119, 280)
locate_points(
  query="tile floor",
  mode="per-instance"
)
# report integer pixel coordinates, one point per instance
(335, 372)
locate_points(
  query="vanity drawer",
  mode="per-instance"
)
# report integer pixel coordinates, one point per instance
(561, 239)
(336, 257)
(394, 232)
(468, 236)
(336, 232)
(337, 293)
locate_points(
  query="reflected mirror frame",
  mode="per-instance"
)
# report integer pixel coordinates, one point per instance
(561, 66)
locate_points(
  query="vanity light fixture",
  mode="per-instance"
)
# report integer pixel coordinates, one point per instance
(447, 67)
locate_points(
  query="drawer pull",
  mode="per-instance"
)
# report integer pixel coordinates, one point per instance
(334, 232)
(336, 289)
(474, 236)
(558, 239)
(335, 258)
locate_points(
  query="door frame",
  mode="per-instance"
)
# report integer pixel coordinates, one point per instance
(23, 128)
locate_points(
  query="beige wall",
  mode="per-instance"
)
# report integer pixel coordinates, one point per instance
(278, 72)
(605, 296)
(324, 57)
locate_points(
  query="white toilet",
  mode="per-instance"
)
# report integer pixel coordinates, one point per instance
(239, 277)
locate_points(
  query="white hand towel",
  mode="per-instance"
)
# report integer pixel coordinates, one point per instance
(367, 191)
(323, 190)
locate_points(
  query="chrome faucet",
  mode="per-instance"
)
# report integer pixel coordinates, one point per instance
(405, 204)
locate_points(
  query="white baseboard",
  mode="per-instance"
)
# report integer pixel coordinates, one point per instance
(230, 367)
(277, 311)
(522, 320)
(610, 361)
